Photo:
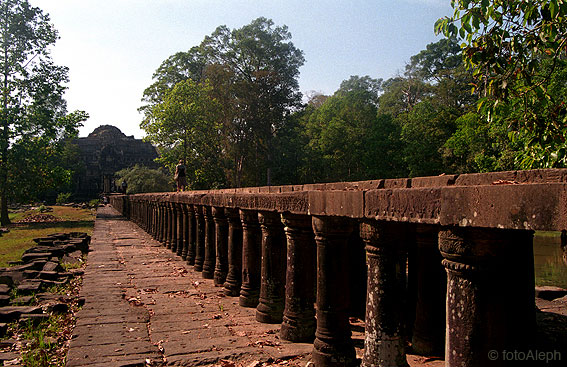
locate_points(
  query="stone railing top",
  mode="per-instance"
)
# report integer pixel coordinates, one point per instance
(534, 200)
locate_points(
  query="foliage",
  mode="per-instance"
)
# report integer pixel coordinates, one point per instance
(517, 51)
(32, 111)
(142, 179)
(184, 126)
(251, 73)
(63, 197)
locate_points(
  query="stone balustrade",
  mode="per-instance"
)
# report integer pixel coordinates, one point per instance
(447, 268)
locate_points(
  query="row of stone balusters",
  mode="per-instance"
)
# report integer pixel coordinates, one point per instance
(273, 261)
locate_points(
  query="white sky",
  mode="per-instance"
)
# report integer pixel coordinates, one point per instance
(112, 47)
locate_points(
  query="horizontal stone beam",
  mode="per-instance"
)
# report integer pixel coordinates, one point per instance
(535, 200)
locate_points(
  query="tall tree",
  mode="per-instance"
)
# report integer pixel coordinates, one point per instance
(185, 126)
(31, 86)
(265, 68)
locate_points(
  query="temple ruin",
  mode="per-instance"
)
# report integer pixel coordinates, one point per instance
(104, 152)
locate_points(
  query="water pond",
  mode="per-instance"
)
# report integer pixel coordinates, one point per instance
(550, 260)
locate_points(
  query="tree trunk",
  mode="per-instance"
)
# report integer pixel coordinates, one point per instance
(4, 219)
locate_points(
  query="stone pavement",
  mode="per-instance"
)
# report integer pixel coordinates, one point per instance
(145, 306)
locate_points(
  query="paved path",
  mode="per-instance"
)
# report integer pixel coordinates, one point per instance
(145, 306)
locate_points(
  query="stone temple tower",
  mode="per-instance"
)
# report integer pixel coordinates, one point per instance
(104, 152)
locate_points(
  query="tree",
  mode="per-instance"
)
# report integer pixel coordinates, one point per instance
(184, 126)
(141, 179)
(253, 75)
(516, 49)
(264, 66)
(31, 87)
(347, 140)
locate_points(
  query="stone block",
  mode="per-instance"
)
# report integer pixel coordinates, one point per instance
(532, 207)
(12, 313)
(336, 203)
(28, 287)
(51, 266)
(49, 275)
(23, 300)
(29, 257)
(404, 205)
(4, 289)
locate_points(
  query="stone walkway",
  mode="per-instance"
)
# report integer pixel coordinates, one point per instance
(145, 306)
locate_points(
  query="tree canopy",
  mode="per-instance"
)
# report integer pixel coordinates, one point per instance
(252, 72)
(32, 111)
(517, 51)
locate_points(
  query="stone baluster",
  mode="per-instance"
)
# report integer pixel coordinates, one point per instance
(221, 242)
(200, 239)
(333, 345)
(162, 220)
(298, 323)
(210, 246)
(251, 258)
(384, 335)
(490, 294)
(234, 276)
(173, 235)
(168, 224)
(429, 325)
(180, 229)
(191, 235)
(159, 227)
(186, 231)
(273, 268)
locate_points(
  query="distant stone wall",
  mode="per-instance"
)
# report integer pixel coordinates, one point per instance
(104, 152)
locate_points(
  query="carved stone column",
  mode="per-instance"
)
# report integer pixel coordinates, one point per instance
(429, 326)
(186, 231)
(221, 235)
(168, 224)
(210, 247)
(298, 323)
(273, 267)
(173, 234)
(234, 276)
(333, 344)
(159, 213)
(179, 231)
(490, 294)
(191, 235)
(163, 224)
(251, 258)
(384, 340)
(200, 239)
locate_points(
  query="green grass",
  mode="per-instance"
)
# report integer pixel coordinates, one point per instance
(20, 237)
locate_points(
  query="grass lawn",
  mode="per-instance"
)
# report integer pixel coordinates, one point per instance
(21, 235)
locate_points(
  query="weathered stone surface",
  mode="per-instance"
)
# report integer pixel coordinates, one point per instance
(4, 289)
(51, 266)
(29, 257)
(11, 313)
(535, 206)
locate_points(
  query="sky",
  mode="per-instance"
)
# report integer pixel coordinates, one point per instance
(113, 47)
